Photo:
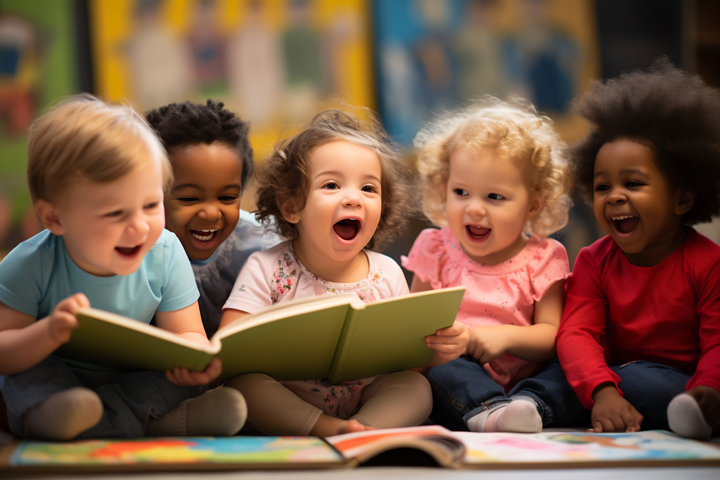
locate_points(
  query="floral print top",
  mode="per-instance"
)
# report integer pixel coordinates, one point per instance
(276, 275)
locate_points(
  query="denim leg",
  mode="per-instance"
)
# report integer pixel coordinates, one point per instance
(558, 404)
(22, 391)
(462, 389)
(650, 387)
(131, 399)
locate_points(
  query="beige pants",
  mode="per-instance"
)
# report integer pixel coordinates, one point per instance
(401, 399)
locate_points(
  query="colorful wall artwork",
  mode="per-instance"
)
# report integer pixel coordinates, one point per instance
(433, 56)
(274, 62)
(38, 65)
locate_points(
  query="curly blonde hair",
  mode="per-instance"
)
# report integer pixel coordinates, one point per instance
(515, 131)
(285, 174)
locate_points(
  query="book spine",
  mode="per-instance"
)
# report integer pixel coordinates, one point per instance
(338, 364)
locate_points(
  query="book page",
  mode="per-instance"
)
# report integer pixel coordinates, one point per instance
(299, 347)
(121, 343)
(436, 441)
(583, 449)
(173, 454)
(389, 335)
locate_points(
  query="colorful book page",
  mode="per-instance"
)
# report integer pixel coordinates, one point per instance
(354, 444)
(574, 447)
(178, 450)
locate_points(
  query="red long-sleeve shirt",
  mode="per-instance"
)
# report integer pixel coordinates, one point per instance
(617, 313)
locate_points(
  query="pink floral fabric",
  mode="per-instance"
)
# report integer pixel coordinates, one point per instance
(275, 275)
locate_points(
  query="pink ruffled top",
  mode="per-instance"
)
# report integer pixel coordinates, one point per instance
(501, 294)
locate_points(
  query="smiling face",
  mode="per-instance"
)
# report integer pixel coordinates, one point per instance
(203, 206)
(343, 205)
(109, 227)
(635, 204)
(488, 204)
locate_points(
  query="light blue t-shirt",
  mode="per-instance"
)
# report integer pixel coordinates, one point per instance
(39, 273)
(216, 276)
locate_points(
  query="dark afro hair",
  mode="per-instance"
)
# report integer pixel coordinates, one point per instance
(670, 111)
(184, 124)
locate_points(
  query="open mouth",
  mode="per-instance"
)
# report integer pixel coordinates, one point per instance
(477, 232)
(204, 235)
(128, 251)
(625, 223)
(347, 229)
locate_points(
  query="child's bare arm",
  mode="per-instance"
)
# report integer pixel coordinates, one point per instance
(25, 342)
(230, 315)
(187, 323)
(534, 343)
(612, 413)
(419, 286)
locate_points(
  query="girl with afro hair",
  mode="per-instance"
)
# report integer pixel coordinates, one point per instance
(640, 335)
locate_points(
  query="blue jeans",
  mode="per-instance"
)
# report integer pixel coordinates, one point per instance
(129, 399)
(463, 389)
(649, 387)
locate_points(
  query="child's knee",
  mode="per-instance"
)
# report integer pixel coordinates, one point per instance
(250, 382)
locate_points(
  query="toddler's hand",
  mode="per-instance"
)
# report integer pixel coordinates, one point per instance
(186, 378)
(612, 413)
(449, 342)
(708, 400)
(486, 343)
(62, 321)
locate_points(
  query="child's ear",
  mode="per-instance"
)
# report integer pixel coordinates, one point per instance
(537, 203)
(686, 200)
(289, 211)
(47, 213)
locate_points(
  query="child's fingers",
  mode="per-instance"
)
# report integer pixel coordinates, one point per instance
(80, 300)
(440, 348)
(605, 424)
(450, 331)
(631, 421)
(619, 423)
(434, 339)
(597, 426)
(212, 371)
(72, 303)
(179, 376)
(65, 320)
(170, 377)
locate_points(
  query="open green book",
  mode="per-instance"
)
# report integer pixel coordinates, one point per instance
(336, 337)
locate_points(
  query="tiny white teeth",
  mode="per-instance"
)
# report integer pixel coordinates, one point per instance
(205, 238)
(622, 218)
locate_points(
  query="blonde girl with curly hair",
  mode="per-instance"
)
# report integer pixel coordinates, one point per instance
(336, 190)
(496, 181)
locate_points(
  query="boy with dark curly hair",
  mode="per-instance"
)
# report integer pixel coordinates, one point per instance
(212, 159)
(640, 335)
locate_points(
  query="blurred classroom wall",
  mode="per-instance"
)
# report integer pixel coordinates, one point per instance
(277, 62)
